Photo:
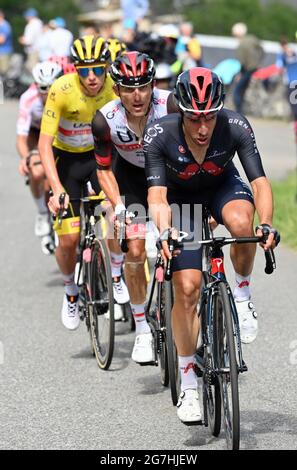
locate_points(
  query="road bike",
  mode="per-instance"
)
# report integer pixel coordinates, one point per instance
(219, 360)
(96, 303)
(158, 314)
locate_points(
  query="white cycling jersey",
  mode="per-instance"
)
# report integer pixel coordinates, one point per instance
(110, 126)
(30, 110)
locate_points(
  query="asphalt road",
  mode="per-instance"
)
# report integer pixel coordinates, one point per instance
(53, 395)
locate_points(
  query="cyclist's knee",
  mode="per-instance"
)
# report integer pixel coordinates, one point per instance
(68, 243)
(37, 173)
(187, 292)
(240, 223)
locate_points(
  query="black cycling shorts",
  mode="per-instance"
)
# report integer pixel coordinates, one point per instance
(132, 183)
(75, 170)
(189, 216)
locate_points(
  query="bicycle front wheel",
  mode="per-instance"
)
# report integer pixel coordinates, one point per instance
(101, 304)
(211, 386)
(226, 365)
(172, 360)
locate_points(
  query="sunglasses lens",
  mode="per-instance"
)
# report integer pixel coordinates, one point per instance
(98, 71)
(84, 71)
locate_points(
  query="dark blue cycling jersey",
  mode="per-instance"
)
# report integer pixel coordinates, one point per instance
(169, 162)
(215, 182)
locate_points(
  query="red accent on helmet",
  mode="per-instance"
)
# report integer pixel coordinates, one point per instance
(132, 69)
(67, 66)
(199, 89)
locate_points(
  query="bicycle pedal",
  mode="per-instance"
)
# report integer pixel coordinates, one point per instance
(194, 423)
(151, 363)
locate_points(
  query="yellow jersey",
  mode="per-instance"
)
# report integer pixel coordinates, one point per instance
(68, 113)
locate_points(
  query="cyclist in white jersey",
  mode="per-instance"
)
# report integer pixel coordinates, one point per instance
(28, 128)
(117, 130)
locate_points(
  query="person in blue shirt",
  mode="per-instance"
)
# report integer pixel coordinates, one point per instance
(6, 47)
(287, 61)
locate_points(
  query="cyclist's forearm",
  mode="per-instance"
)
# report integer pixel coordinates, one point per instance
(109, 186)
(48, 162)
(159, 209)
(22, 146)
(263, 198)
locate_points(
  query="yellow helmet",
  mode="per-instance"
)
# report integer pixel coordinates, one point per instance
(116, 48)
(90, 50)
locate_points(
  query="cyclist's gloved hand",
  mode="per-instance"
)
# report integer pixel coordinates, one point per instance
(163, 241)
(271, 235)
(54, 203)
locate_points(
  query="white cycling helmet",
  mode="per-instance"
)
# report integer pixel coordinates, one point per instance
(45, 73)
(163, 72)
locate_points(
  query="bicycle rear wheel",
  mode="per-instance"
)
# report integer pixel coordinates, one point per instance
(226, 364)
(101, 305)
(172, 360)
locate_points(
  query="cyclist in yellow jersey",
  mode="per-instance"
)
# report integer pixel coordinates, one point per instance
(66, 150)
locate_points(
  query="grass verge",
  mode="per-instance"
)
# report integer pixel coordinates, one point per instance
(285, 209)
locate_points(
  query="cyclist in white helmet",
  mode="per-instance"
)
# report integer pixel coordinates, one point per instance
(164, 76)
(28, 127)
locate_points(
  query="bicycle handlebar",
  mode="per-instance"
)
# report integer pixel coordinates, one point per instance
(270, 264)
(122, 231)
(61, 210)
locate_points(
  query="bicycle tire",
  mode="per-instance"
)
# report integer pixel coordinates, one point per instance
(163, 358)
(173, 370)
(102, 304)
(211, 388)
(85, 298)
(226, 359)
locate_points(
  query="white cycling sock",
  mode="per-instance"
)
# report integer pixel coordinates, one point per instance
(141, 325)
(242, 289)
(187, 372)
(70, 286)
(41, 205)
(116, 261)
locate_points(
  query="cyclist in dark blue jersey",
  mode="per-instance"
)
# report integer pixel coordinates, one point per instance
(189, 162)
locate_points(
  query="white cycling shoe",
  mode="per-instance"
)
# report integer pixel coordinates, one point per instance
(47, 245)
(69, 313)
(118, 313)
(120, 291)
(42, 225)
(248, 322)
(188, 407)
(143, 352)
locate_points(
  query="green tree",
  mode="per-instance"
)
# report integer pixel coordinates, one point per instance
(14, 10)
(268, 21)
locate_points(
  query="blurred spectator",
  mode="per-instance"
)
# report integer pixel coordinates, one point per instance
(170, 34)
(106, 30)
(89, 31)
(287, 61)
(188, 49)
(129, 34)
(164, 76)
(61, 38)
(250, 54)
(31, 36)
(134, 9)
(44, 47)
(6, 47)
